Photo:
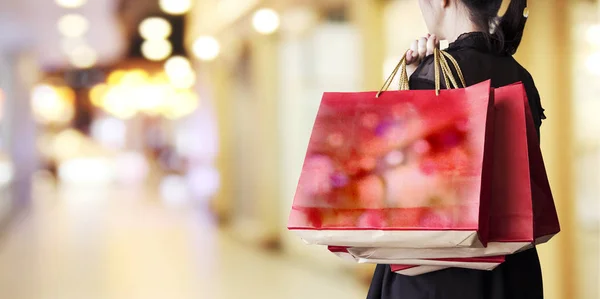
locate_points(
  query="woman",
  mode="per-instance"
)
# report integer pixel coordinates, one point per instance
(482, 56)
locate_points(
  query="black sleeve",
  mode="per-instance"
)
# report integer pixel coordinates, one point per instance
(423, 77)
(535, 103)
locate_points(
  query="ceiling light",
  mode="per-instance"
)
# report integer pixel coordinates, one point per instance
(73, 25)
(266, 21)
(175, 7)
(70, 3)
(83, 57)
(178, 67)
(155, 28)
(206, 48)
(156, 50)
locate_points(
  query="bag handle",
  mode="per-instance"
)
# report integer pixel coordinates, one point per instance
(401, 66)
(440, 64)
(447, 72)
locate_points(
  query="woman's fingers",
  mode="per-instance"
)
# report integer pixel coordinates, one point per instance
(431, 44)
(412, 55)
(421, 48)
(414, 46)
(409, 57)
(422, 45)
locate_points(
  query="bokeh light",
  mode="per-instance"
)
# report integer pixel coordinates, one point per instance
(84, 170)
(70, 3)
(135, 77)
(156, 50)
(266, 21)
(83, 57)
(183, 103)
(67, 144)
(115, 77)
(155, 28)
(177, 67)
(593, 35)
(73, 25)
(119, 102)
(110, 132)
(52, 105)
(152, 99)
(593, 63)
(97, 94)
(180, 73)
(175, 7)
(185, 82)
(129, 92)
(206, 48)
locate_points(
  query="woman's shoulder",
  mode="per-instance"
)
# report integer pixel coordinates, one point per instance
(470, 61)
(478, 66)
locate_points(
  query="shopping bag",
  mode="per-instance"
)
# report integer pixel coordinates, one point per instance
(486, 263)
(545, 216)
(411, 270)
(476, 263)
(408, 169)
(523, 212)
(342, 252)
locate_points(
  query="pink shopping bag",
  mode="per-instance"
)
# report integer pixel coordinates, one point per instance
(409, 169)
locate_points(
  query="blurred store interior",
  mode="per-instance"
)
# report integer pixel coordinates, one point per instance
(151, 148)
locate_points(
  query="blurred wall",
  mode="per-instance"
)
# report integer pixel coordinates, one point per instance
(548, 57)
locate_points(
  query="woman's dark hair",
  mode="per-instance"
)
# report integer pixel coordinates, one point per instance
(508, 29)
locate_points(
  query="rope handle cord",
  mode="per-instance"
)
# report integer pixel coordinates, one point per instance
(442, 70)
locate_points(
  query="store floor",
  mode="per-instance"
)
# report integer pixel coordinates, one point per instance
(127, 243)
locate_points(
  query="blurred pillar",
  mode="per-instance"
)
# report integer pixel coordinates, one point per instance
(18, 74)
(547, 54)
(368, 16)
(268, 179)
(221, 80)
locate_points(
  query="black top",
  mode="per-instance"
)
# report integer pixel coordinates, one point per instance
(519, 277)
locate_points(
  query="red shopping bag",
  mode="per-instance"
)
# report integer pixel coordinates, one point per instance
(545, 216)
(408, 169)
(523, 212)
(511, 207)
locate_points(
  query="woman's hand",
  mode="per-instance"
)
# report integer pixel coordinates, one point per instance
(419, 49)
